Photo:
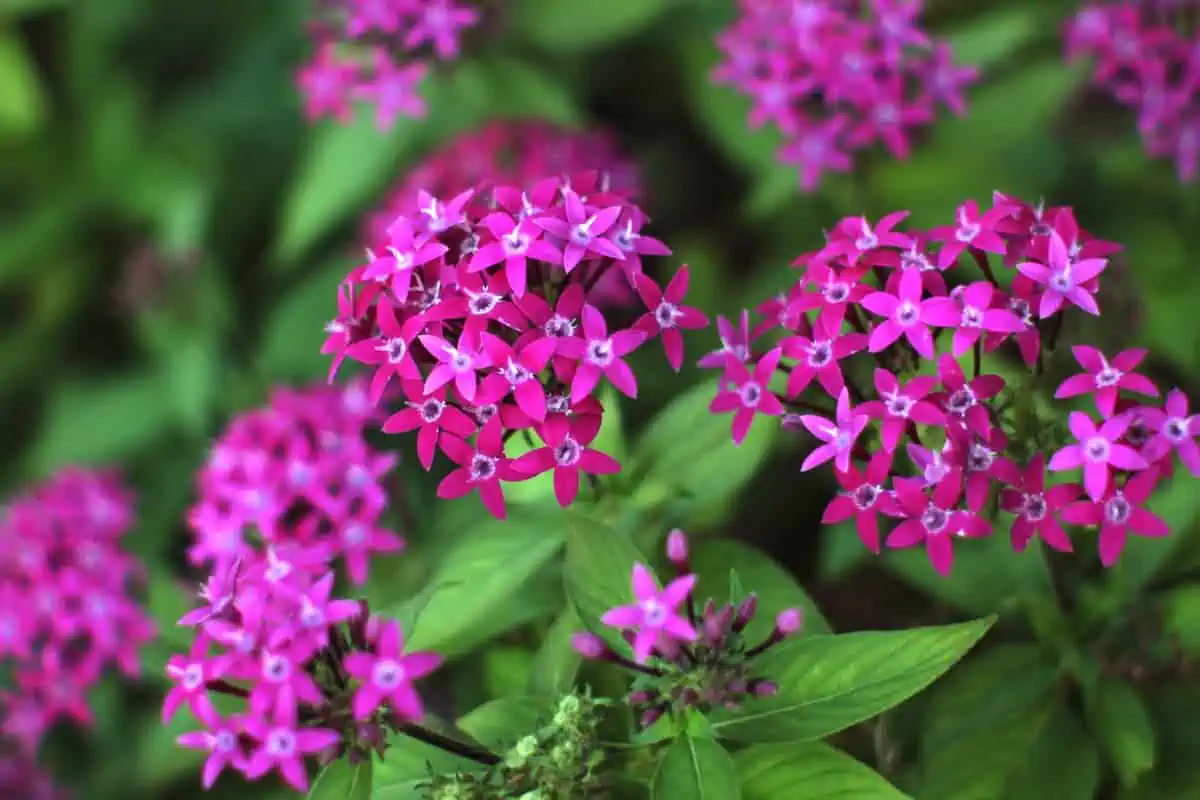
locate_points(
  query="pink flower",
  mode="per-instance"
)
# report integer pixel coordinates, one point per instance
(981, 460)
(819, 358)
(327, 85)
(480, 468)
(1064, 278)
(601, 354)
(516, 243)
(904, 311)
(390, 349)
(1096, 450)
(1106, 379)
(971, 229)
(582, 230)
(429, 414)
(735, 343)
(970, 314)
(1035, 507)
(406, 250)
(862, 497)
(518, 375)
(220, 741)
(748, 394)
(191, 676)
(655, 617)
(566, 452)
(934, 520)
(838, 291)
(1175, 430)
(1118, 513)
(387, 675)
(839, 436)
(666, 315)
(393, 90)
(961, 397)
(461, 363)
(900, 406)
(440, 23)
(282, 745)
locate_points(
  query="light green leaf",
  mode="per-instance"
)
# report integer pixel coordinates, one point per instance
(1174, 707)
(611, 438)
(1181, 616)
(712, 559)
(498, 724)
(829, 682)
(556, 663)
(23, 109)
(597, 573)
(574, 26)
(292, 338)
(407, 766)
(520, 90)
(1121, 722)
(808, 771)
(484, 571)
(993, 36)
(696, 769)
(342, 781)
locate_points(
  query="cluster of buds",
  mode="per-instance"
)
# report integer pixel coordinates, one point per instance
(875, 292)
(836, 76)
(1147, 57)
(477, 308)
(378, 52)
(66, 612)
(686, 660)
(298, 473)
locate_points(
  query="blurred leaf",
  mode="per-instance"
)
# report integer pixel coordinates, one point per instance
(1063, 763)
(556, 662)
(506, 669)
(1174, 707)
(1181, 617)
(696, 769)
(776, 589)
(16, 7)
(407, 766)
(498, 724)
(1121, 722)
(344, 167)
(483, 571)
(23, 109)
(990, 38)
(519, 90)
(1178, 503)
(194, 375)
(101, 421)
(611, 438)
(294, 332)
(829, 682)
(810, 771)
(342, 781)
(166, 601)
(841, 551)
(597, 573)
(574, 26)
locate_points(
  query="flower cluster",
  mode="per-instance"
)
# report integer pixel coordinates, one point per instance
(311, 675)
(836, 76)
(684, 658)
(66, 613)
(297, 474)
(19, 777)
(1147, 57)
(875, 291)
(512, 153)
(476, 307)
(378, 52)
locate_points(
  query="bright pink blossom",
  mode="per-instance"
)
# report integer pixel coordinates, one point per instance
(654, 617)
(838, 436)
(1118, 512)
(1106, 379)
(1036, 507)
(387, 675)
(1097, 450)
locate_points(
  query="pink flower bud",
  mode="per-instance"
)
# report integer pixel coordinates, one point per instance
(650, 716)
(589, 645)
(677, 549)
(788, 621)
(766, 689)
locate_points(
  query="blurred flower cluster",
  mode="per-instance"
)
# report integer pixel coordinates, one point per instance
(876, 291)
(838, 76)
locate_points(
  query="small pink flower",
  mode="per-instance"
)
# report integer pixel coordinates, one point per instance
(567, 453)
(961, 397)
(819, 358)
(655, 617)
(747, 393)
(863, 496)
(970, 315)
(971, 229)
(387, 675)
(601, 354)
(1118, 513)
(905, 312)
(1176, 430)
(429, 414)
(1106, 379)
(406, 250)
(1064, 278)
(582, 230)
(1035, 507)
(666, 315)
(838, 436)
(934, 520)
(1096, 450)
(735, 343)
(900, 406)
(220, 741)
(480, 468)
(283, 744)
(516, 243)
(461, 363)
(191, 675)
(517, 375)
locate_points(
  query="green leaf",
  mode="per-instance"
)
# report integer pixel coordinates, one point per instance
(342, 781)
(829, 682)
(712, 560)
(499, 723)
(101, 421)
(407, 766)
(1121, 722)
(992, 37)
(573, 26)
(1063, 763)
(520, 90)
(611, 438)
(696, 769)
(556, 663)
(598, 572)
(808, 771)
(1181, 616)
(1174, 707)
(291, 340)
(24, 108)
(483, 571)
(344, 166)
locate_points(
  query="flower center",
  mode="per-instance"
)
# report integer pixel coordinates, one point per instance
(224, 741)
(971, 317)
(820, 354)
(1061, 281)
(666, 315)
(484, 303)
(482, 467)
(557, 403)
(276, 669)
(751, 394)
(867, 241)
(653, 613)
(514, 243)
(281, 743)
(934, 519)
(568, 453)
(961, 401)
(836, 293)
(1034, 507)
(395, 349)
(516, 374)
(1117, 510)
(865, 496)
(1107, 377)
(899, 405)
(980, 459)
(460, 362)
(1021, 309)
(1040, 228)
(311, 616)
(485, 413)
(559, 327)
(600, 352)
(193, 677)
(907, 314)
(431, 410)
(1176, 429)
(966, 232)
(1097, 450)
(911, 259)
(387, 674)
(354, 535)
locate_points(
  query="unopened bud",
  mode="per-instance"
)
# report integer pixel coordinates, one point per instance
(677, 549)
(650, 716)
(640, 697)
(745, 612)
(589, 645)
(788, 621)
(766, 688)
(689, 697)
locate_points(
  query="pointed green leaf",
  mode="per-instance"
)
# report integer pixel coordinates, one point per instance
(1063, 763)
(808, 771)
(1121, 722)
(342, 781)
(598, 573)
(829, 682)
(24, 108)
(696, 769)
(498, 724)
(556, 663)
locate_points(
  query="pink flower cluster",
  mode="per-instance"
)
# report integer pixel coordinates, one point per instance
(513, 153)
(20, 777)
(837, 76)
(477, 308)
(378, 52)
(1147, 57)
(297, 474)
(66, 613)
(874, 290)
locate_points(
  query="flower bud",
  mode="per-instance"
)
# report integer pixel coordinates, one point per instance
(745, 612)
(677, 549)
(766, 688)
(640, 697)
(589, 645)
(650, 716)
(788, 621)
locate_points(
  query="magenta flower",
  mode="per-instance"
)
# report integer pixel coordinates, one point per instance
(1106, 379)
(601, 354)
(279, 674)
(191, 675)
(567, 453)
(393, 89)
(387, 675)
(582, 230)
(838, 436)
(666, 314)
(862, 497)
(406, 250)
(282, 744)
(1119, 513)
(461, 363)
(855, 237)
(837, 292)
(971, 229)
(748, 393)
(358, 542)
(971, 315)
(515, 243)
(655, 617)
(439, 23)
(933, 519)
(900, 406)
(819, 358)
(389, 350)
(480, 468)
(1064, 278)
(1175, 430)
(1096, 450)
(1028, 339)
(904, 311)
(634, 245)
(429, 414)
(220, 741)
(961, 397)
(1035, 507)
(735, 343)
(518, 375)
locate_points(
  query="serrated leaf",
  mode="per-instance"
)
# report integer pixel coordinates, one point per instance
(809, 771)
(341, 780)
(829, 682)
(696, 769)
